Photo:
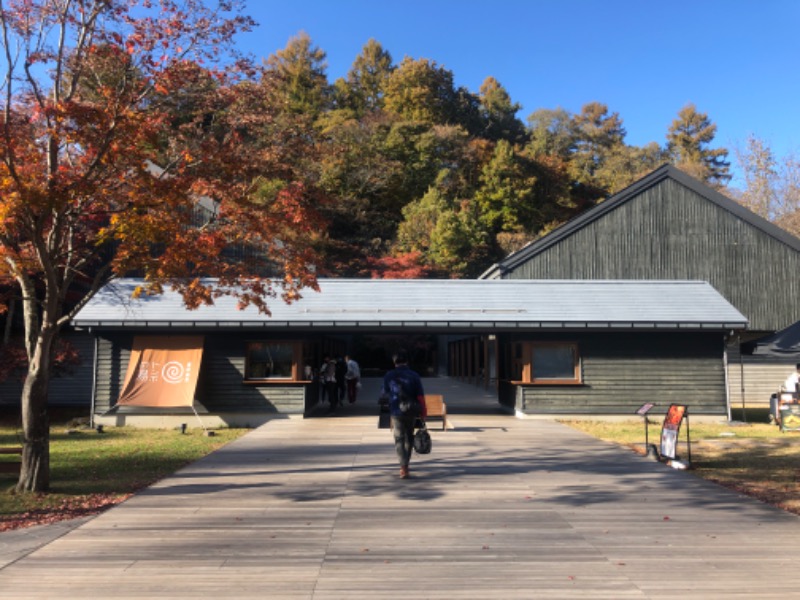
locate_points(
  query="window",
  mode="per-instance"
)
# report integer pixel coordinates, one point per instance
(555, 362)
(272, 360)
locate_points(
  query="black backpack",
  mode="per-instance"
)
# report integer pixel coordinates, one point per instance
(408, 404)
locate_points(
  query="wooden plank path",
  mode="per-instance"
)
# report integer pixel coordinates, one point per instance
(503, 508)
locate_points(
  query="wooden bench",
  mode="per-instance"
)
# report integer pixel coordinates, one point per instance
(435, 406)
(11, 466)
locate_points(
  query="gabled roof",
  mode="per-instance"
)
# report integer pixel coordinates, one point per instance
(665, 172)
(443, 305)
(782, 344)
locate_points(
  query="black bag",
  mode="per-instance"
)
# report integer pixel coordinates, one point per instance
(384, 418)
(407, 404)
(422, 440)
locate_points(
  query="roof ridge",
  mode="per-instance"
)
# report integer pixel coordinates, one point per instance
(666, 171)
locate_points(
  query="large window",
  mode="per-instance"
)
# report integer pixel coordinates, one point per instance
(555, 362)
(544, 363)
(272, 361)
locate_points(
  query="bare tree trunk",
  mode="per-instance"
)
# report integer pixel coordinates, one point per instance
(35, 473)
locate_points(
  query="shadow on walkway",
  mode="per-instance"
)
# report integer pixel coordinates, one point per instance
(502, 508)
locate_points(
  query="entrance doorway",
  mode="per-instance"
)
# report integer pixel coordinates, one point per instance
(373, 352)
(429, 355)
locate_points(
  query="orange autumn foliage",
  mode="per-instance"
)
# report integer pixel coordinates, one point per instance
(135, 141)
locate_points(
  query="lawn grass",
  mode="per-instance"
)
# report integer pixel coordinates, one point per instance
(751, 457)
(91, 470)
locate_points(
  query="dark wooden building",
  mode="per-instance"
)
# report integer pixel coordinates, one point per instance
(546, 347)
(670, 226)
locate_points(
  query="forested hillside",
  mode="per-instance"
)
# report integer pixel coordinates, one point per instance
(420, 178)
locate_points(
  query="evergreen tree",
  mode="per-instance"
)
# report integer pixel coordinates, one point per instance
(598, 135)
(552, 134)
(364, 184)
(420, 218)
(499, 114)
(446, 235)
(366, 81)
(688, 148)
(299, 70)
(505, 198)
(625, 164)
(420, 90)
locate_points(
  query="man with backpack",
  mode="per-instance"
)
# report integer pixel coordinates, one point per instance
(403, 388)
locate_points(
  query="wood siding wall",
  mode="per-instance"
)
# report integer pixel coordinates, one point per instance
(220, 387)
(71, 387)
(623, 371)
(670, 232)
(113, 353)
(762, 378)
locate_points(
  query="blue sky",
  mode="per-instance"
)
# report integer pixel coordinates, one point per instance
(736, 60)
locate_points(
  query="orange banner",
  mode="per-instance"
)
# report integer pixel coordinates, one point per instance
(162, 371)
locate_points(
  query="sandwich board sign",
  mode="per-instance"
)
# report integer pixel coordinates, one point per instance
(670, 430)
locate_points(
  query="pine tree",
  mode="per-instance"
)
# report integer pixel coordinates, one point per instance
(688, 148)
(367, 78)
(499, 114)
(301, 79)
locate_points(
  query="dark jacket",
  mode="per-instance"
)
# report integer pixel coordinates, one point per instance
(412, 385)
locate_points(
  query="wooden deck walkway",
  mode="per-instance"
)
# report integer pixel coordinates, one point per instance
(503, 508)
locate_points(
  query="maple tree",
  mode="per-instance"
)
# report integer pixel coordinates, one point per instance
(404, 266)
(133, 139)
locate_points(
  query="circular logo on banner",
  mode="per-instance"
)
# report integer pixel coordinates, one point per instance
(174, 372)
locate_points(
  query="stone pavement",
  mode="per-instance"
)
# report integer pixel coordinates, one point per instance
(503, 508)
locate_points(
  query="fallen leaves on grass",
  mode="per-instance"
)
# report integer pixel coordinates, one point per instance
(760, 468)
(68, 508)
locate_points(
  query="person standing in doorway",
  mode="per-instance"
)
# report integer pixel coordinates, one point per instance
(341, 384)
(403, 388)
(327, 374)
(352, 377)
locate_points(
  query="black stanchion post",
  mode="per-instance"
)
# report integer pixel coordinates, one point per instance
(650, 452)
(688, 441)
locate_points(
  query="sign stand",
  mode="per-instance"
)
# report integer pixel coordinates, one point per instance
(650, 449)
(669, 436)
(688, 441)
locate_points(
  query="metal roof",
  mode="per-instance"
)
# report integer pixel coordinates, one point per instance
(353, 304)
(524, 254)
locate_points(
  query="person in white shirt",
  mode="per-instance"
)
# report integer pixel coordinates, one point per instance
(790, 385)
(788, 393)
(352, 377)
